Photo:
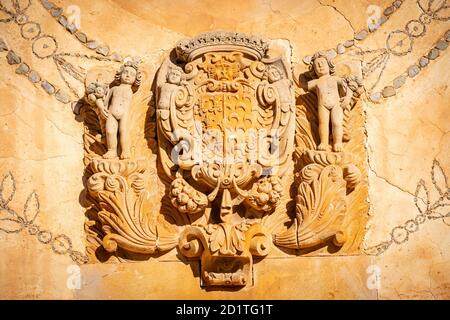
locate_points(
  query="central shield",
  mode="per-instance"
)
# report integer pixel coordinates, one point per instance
(226, 126)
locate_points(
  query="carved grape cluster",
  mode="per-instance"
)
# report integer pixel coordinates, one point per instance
(266, 194)
(187, 199)
(96, 91)
(356, 85)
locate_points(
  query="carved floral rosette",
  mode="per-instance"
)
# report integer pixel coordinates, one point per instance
(226, 122)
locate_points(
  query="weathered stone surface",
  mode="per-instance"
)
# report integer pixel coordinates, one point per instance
(330, 286)
(13, 58)
(361, 35)
(394, 182)
(413, 71)
(388, 91)
(22, 68)
(34, 77)
(49, 88)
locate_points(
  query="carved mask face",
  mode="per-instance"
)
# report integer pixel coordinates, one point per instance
(321, 66)
(274, 75)
(128, 75)
(174, 77)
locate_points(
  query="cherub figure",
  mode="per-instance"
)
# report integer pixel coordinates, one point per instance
(283, 86)
(173, 81)
(115, 108)
(327, 87)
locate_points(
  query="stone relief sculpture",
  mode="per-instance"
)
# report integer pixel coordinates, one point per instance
(330, 105)
(96, 94)
(121, 217)
(229, 205)
(327, 177)
(113, 107)
(235, 141)
(222, 176)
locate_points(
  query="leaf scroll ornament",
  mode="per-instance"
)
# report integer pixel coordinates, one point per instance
(7, 189)
(428, 210)
(13, 222)
(421, 197)
(31, 207)
(439, 178)
(10, 222)
(11, 225)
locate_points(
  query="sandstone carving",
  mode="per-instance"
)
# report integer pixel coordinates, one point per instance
(233, 143)
(321, 203)
(119, 186)
(225, 130)
(113, 107)
(122, 218)
(330, 106)
(327, 178)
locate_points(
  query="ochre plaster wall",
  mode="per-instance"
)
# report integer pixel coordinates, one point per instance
(407, 141)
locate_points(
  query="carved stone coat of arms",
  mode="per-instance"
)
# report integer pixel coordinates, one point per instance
(235, 159)
(226, 121)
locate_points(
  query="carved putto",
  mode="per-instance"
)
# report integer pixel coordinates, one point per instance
(330, 105)
(113, 106)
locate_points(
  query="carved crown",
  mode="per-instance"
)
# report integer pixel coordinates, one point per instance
(189, 49)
